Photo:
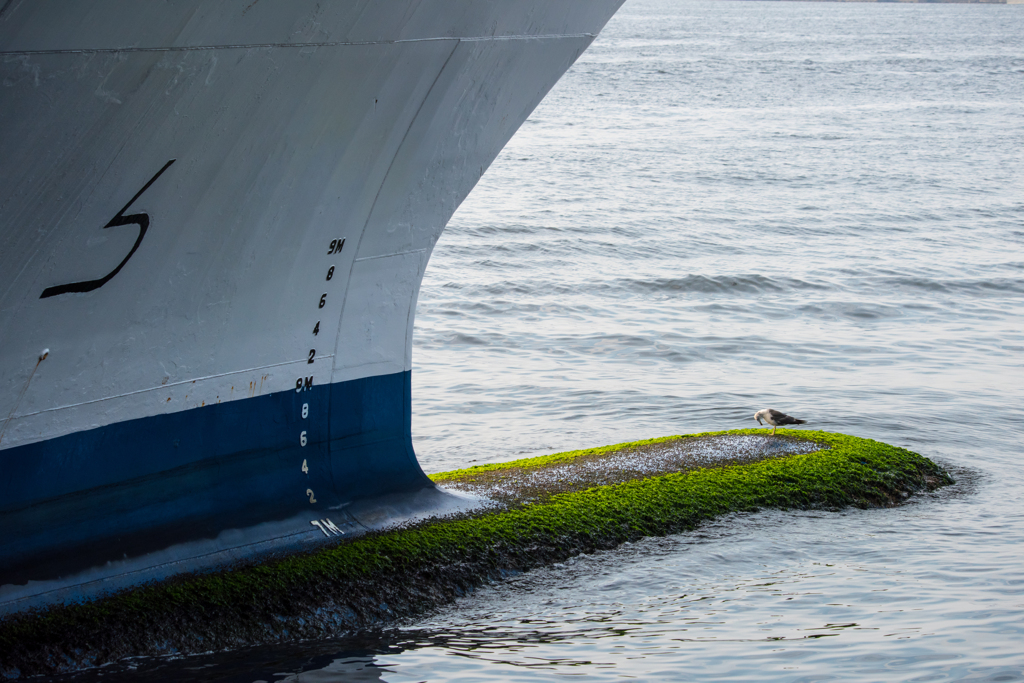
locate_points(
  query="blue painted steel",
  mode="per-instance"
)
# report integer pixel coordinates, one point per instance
(135, 487)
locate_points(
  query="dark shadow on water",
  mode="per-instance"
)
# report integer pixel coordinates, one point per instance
(353, 658)
(347, 659)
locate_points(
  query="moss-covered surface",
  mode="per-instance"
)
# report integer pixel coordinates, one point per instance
(375, 579)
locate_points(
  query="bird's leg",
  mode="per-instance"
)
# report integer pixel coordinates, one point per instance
(773, 429)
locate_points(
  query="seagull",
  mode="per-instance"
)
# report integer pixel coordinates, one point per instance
(776, 419)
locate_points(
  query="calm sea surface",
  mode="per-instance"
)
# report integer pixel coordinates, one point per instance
(725, 206)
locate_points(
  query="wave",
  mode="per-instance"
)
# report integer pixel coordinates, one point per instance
(872, 294)
(721, 284)
(974, 286)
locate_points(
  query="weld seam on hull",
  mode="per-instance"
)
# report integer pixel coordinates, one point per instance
(380, 187)
(199, 48)
(398, 253)
(173, 384)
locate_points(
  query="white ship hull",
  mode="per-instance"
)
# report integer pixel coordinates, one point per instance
(214, 220)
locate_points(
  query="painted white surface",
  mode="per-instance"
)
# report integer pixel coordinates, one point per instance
(286, 136)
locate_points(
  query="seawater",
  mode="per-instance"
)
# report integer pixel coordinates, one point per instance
(725, 206)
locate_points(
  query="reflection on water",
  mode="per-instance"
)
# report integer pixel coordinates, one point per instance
(356, 669)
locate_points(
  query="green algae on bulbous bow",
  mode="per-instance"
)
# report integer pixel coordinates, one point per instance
(374, 579)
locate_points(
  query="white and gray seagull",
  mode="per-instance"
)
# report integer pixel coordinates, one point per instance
(776, 419)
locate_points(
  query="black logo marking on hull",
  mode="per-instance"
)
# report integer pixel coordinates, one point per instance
(140, 219)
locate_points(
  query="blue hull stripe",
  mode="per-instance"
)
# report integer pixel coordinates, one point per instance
(135, 487)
